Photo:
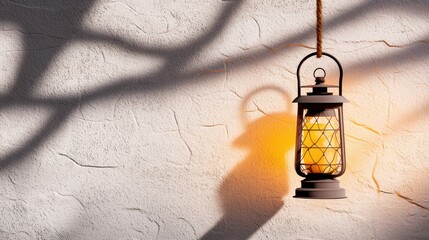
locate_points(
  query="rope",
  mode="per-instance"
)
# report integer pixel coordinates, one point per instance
(319, 28)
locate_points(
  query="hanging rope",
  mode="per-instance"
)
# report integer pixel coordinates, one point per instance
(319, 28)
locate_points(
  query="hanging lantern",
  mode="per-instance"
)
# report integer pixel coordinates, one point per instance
(320, 156)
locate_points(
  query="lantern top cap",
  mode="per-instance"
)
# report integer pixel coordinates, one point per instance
(319, 88)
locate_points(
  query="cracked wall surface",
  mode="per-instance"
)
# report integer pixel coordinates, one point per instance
(156, 119)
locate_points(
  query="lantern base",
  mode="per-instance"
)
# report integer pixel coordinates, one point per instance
(320, 189)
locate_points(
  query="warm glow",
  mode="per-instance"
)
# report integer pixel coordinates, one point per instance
(321, 146)
(262, 175)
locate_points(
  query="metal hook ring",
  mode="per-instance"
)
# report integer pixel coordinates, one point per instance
(315, 70)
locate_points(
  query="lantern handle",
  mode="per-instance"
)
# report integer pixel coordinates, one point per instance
(340, 91)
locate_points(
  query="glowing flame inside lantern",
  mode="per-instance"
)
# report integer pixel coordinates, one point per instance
(320, 143)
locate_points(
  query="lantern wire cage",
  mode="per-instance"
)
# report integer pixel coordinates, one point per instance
(321, 145)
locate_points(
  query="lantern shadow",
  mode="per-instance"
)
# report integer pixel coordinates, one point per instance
(252, 192)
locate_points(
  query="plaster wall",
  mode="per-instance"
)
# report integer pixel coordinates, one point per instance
(173, 119)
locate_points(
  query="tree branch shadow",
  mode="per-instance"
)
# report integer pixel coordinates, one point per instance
(66, 22)
(52, 30)
(67, 28)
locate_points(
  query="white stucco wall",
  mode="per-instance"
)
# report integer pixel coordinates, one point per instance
(173, 119)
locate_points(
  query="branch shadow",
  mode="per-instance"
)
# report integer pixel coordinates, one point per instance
(50, 25)
(251, 194)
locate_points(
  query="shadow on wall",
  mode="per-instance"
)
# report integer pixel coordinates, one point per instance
(50, 25)
(252, 192)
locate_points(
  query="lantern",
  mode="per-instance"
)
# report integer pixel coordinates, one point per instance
(320, 156)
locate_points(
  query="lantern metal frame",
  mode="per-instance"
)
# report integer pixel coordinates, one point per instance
(319, 185)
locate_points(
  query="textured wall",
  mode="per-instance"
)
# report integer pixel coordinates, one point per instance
(173, 119)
